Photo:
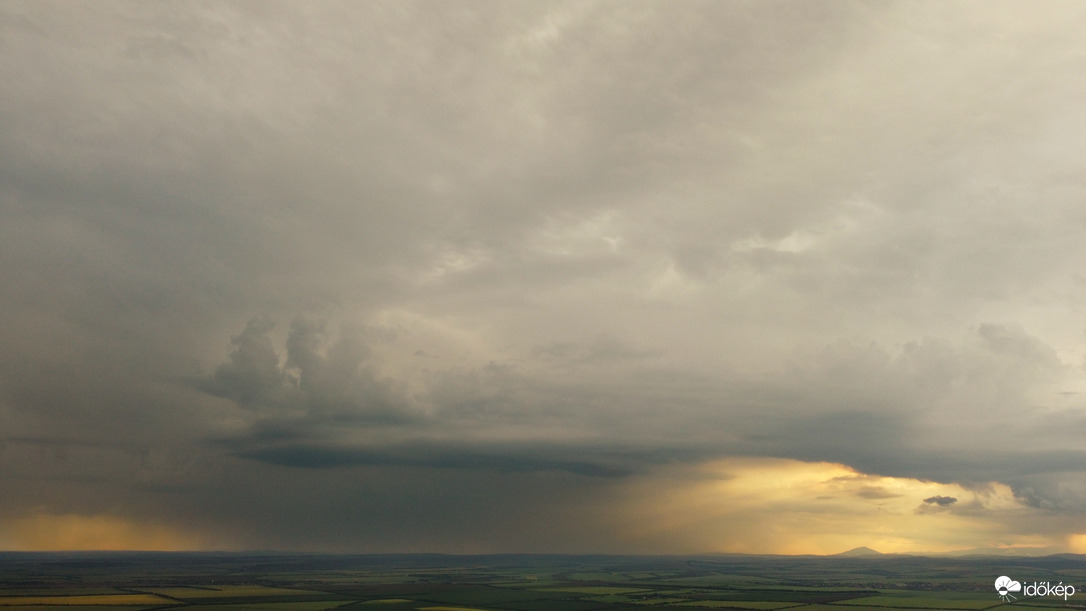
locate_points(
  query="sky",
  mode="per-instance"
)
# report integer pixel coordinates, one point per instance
(624, 277)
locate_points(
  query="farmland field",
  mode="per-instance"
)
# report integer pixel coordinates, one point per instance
(428, 582)
(82, 600)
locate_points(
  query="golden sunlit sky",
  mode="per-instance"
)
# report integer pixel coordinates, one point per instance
(786, 277)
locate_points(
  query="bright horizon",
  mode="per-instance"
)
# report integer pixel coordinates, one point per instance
(640, 277)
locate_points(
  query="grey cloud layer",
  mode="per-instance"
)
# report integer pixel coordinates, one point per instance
(565, 243)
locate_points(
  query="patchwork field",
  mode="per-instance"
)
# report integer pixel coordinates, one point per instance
(83, 600)
(242, 582)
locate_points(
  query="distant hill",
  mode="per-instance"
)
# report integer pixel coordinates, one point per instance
(859, 552)
(1017, 552)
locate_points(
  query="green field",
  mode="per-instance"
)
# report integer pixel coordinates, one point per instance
(284, 582)
(82, 600)
(596, 590)
(739, 604)
(923, 602)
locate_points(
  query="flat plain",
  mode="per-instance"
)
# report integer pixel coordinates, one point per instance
(135, 581)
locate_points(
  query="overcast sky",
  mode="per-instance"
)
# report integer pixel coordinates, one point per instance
(667, 277)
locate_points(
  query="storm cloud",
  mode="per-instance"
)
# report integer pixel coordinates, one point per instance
(478, 277)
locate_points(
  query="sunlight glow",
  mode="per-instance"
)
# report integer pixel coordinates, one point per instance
(791, 507)
(49, 532)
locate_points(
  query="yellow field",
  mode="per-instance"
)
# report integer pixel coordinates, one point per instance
(185, 593)
(86, 600)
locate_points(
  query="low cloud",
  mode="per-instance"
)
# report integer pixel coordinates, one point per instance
(876, 492)
(941, 501)
(315, 384)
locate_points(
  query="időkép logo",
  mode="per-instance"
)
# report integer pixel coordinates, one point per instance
(1005, 586)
